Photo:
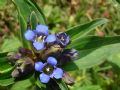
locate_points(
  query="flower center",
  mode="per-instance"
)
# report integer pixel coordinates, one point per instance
(48, 69)
(40, 38)
(62, 38)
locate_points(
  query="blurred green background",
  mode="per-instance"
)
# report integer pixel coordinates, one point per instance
(62, 14)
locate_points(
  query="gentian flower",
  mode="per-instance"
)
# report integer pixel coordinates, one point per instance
(48, 70)
(40, 36)
(62, 39)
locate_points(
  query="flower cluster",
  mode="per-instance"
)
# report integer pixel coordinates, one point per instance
(41, 37)
(46, 57)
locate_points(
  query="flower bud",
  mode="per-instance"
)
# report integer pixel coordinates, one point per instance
(68, 55)
(68, 79)
(23, 67)
(13, 57)
(52, 50)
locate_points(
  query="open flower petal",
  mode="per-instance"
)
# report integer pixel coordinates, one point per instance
(42, 29)
(29, 35)
(50, 38)
(52, 61)
(58, 73)
(44, 78)
(39, 66)
(38, 45)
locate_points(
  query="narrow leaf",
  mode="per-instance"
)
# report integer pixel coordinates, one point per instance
(6, 82)
(96, 57)
(22, 85)
(90, 42)
(83, 30)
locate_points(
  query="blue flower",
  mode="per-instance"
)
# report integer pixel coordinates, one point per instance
(48, 70)
(62, 39)
(40, 36)
(42, 29)
(51, 38)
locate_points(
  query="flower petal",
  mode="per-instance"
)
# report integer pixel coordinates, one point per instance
(29, 35)
(42, 29)
(58, 73)
(39, 66)
(50, 38)
(44, 78)
(52, 61)
(38, 45)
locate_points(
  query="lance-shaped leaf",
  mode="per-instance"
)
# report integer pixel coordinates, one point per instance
(4, 65)
(91, 42)
(22, 85)
(6, 82)
(83, 30)
(24, 8)
(97, 50)
(5, 71)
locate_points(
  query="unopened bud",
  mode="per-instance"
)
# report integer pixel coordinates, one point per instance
(68, 79)
(23, 67)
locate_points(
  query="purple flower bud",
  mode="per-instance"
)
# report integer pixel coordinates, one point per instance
(62, 39)
(72, 53)
(25, 52)
(68, 55)
(13, 57)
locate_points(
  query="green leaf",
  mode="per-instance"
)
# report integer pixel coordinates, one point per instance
(94, 58)
(6, 82)
(24, 8)
(4, 65)
(94, 87)
(34, 7)
(2, 3)
(11, 44)
(83, 30)
(5, 72)
(118, 1)
(62, 85)
(39, 84)
(115, 59)
(33, 20)
(22, 85)
(91, 42)
(23, 14)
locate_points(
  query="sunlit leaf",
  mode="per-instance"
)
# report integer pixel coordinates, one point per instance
(94, 58)
(90, 42)
(83, 30)
(6, 82)
(22, 85)
(11, 44)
